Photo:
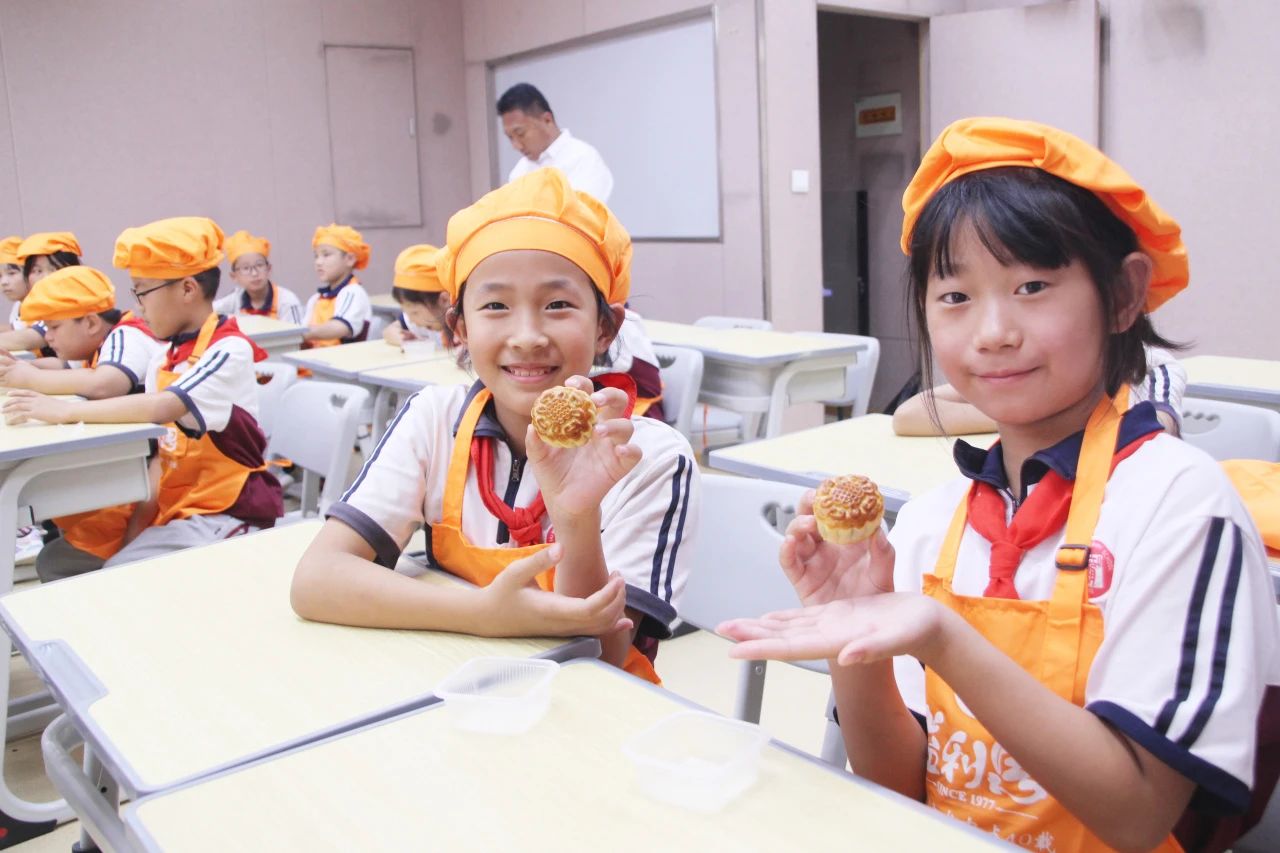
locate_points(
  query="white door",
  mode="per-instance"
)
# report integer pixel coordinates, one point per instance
(1039, 62)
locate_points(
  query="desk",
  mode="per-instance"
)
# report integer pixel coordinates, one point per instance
(384, 304)
(348, 361)
(901, 465)
(48, 470)
(758, 373)
(415, 782)
(393, 383)
(176, 667)
(275, 336)
(1237, 380)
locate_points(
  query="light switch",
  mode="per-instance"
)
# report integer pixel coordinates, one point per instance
(799, 180)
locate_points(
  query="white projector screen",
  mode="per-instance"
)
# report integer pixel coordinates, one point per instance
(647, 102)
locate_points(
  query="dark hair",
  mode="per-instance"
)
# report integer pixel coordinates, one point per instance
(1025, 215)
(208, 281)
(603, 313)
(58, 259)
(429, 298)
(111, 316)
(524, 97)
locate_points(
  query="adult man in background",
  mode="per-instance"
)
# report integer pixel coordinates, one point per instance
(529, 123)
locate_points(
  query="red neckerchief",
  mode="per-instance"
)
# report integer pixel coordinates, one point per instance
(133, 321)
(525, 523)
(1041, 515)
(180, 346)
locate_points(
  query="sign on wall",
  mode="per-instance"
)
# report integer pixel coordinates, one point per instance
(878, 115)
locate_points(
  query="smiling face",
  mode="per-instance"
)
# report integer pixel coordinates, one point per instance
(332, 264)
(1024, 345)
(529, 321)
(12, 284)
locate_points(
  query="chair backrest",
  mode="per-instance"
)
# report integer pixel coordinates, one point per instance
(860, 378)
(681, 370)
(274, 378)
(717, 322)
(318, 433)
(1231, 430)
(735, 571)
(377, 323)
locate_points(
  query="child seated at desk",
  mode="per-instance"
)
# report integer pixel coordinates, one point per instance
(632, 353)
(422, 300)
(339, 312)
(77, 306)
(12, 283)
(40, 254)
(1088, 607)
(255, 292)
(537, 275)
(209, 479)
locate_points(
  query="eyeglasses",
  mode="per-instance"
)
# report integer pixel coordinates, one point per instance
(256, 269)
(138, 294)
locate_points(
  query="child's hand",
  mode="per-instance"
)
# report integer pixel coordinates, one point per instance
(850, 631)
(822, 572)
(393, 334)
(514, 606)
(575, 480)
(14, 373)
(22, 406)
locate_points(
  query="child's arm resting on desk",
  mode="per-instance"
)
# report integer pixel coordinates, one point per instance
(328, 331)
(21, 339)
(158, 408)
(336, 581)
(94, 383)
(956, 415)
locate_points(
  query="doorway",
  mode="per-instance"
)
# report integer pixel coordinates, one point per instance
(869, 114)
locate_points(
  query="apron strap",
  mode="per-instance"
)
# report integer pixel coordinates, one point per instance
(945, 568)
(202, 340)
(460, 458)
(1061, 650)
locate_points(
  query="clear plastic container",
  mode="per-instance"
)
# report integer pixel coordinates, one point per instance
(697, 760)
(498, 695)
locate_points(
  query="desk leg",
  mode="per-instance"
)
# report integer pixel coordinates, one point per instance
(94, 795)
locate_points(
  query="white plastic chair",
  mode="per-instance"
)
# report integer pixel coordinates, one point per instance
(860, 378)
(318, 434)
(736, 573)
(279, 376)
(681, 370)
(1231, 430)
(713, 321)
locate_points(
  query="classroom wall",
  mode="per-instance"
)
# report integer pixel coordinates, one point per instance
(115, 114)
(671, 280)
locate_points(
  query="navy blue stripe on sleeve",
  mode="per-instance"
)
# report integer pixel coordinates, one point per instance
(189, 381)
(655, 576)
(675, 544)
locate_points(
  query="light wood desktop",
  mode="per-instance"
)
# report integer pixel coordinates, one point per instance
(758, 373)
(417, 783)
(1238, 380)
(901, 465)
(348, 361)
(384, 304)
(175, 667)
(275, 336)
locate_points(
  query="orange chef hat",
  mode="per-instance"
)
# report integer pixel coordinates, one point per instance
(974, 144)
(244, 243)
(416, 269)
(68, 293)
(345, 238)
(9, 250)
(170, 248)
(539, 211)
(48, 242)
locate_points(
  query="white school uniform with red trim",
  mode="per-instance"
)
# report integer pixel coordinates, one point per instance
(647, 520)
(131, 351)
(237, 302)
(1179, 571)
(352, 306)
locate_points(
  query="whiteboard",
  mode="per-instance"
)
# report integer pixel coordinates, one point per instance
(647, 101)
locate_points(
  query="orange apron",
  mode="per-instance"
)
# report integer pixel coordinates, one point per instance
(456, 555)
(322, 312)
(969, 775)
(643, 404)
(274, 311)
(99, 532)
(1258, 483)
(196, 478)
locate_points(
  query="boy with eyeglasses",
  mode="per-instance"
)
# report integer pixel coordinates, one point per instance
(210, 480)
(255, 293)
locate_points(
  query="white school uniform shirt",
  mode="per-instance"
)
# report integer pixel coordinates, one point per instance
(16, 321)
(353, 307)
(236, 302)
(648, 520)
(131, 351)
(1180, 574)
(221, 381)
(580, 162)
(631, 343)
(1165, 384)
